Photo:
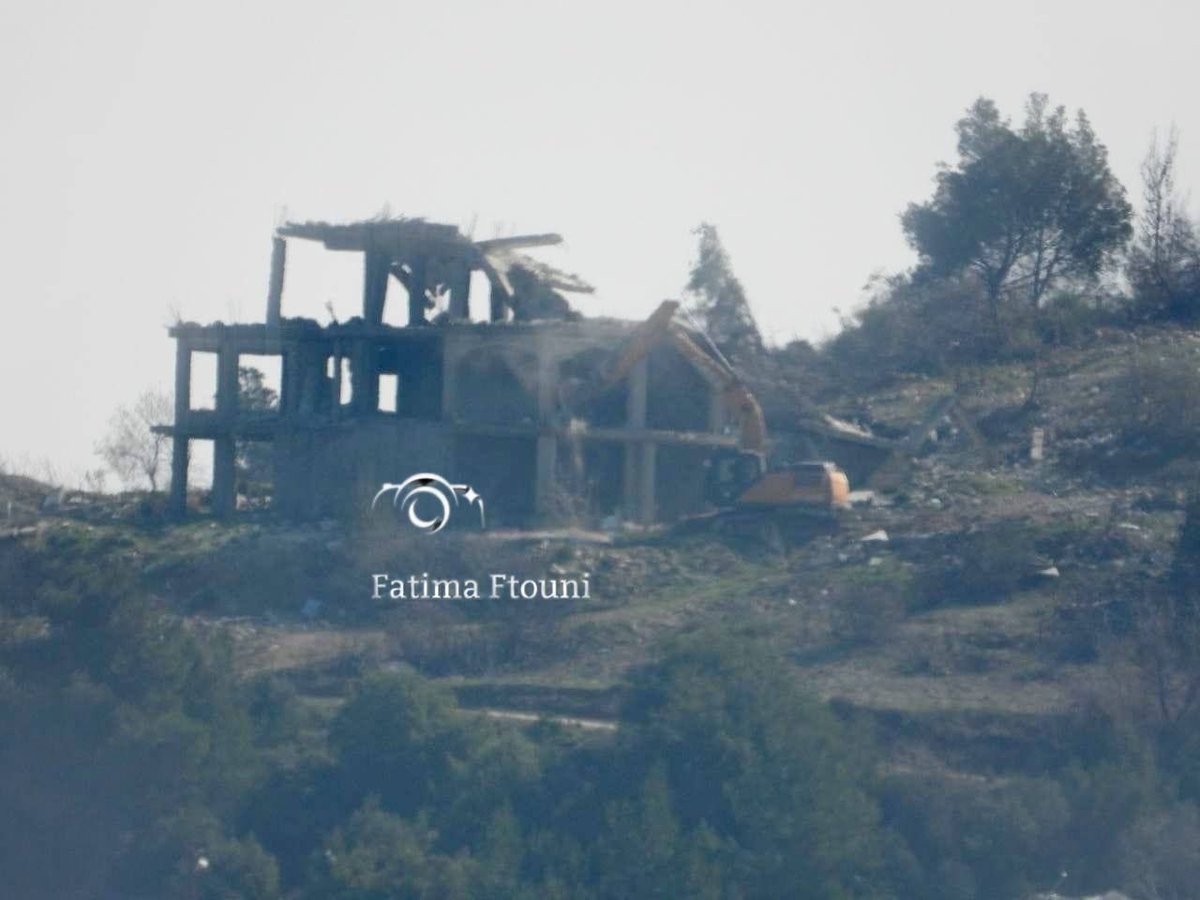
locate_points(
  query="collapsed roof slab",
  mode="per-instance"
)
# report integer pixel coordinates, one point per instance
(424, 255)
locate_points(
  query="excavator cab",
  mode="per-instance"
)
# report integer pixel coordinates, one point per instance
(812, 485)
(730, 474)
(739, 479)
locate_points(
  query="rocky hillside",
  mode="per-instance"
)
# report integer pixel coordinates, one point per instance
(998, 621)
(975, 581)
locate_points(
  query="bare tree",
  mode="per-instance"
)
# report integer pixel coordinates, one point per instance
(131, 449)
(1164, 260)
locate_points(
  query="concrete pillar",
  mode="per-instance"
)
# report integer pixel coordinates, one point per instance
(544, 479)
(302, 377)
(496, 302)
(224, 490)
(183, 380)
(336, 401)
(646, 506)
(547, 382)
(227, 381)
(376, 268)
(629, 482)
(275, 287)
(288, 381)
(635, 399)
(364, 379)
(460, 293)
(224, 486)
(312, 379)
(632, 478)
(546, 471)
(179, 443)
(638, 480)
(179, 471)
(416, 291)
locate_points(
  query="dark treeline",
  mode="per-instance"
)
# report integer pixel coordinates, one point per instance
(136, 765)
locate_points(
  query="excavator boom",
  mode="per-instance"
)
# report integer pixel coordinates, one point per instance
(736, 477)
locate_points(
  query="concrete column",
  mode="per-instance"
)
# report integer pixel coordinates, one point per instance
(416, 291)
(496, 302)
(227, 381)
(179, 443)
(183, 380)
(629, 482)
(376, 267)
(301, 380)
(638, 481)
(288, 381)
(635, 399)
(547, 383)
(546, 476)
(544, 479)
(224, 490)
(632, 478)
(335, 405)
(460, 294)
(180, 449)
(311, 379)
(275, 288)
(646, 477)
(364, 380)
(224, 487)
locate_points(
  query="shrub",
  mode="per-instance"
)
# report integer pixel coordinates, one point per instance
(981, 567)
(1154, 405)
(975, 839)
(1160, 854)
(912, 325)
(868, 602)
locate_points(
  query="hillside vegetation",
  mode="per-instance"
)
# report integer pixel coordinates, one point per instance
(982, 682)
(999, 640)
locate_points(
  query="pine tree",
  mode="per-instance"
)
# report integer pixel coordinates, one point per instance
(719, 301)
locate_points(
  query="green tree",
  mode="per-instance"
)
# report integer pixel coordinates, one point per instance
(758, 764)
(117, 719)
(718, 299)
(403, 739)
(379, 856)
(1024, 207)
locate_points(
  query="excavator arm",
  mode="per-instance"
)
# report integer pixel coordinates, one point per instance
(734, 396)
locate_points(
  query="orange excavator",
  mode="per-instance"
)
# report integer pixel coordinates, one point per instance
(737, 478)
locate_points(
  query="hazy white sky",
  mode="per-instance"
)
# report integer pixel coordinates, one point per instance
(149, 148)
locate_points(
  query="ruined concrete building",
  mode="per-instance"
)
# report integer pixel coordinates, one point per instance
(522, 407)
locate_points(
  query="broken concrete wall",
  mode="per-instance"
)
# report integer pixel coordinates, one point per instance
(679, 398)
(335, 471)
(502, 470)
(681, 481)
